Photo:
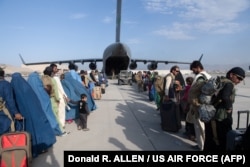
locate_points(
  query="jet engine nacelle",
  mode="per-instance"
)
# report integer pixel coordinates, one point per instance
(133, 66)
(152, 66)
(92, 66)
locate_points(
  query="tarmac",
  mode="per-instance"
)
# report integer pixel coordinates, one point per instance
(126, 120)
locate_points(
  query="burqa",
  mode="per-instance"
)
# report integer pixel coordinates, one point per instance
(36, 83)
(36, 122)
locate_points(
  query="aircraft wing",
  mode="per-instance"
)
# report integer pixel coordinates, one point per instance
(158, 61)
(162, 61)
(92, 60)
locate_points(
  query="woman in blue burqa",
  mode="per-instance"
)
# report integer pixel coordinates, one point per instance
(72, 109)
(36, 122)
(36, 83)
(74, 89)
(7, 102)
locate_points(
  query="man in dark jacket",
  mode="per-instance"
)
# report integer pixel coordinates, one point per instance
(216, 130)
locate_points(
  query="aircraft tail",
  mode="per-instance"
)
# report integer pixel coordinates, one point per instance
(118, 20)
(200, 57)
(22, 59)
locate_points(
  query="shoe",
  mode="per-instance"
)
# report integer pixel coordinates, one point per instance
(85, 129)
(69, 121)
(44, 151)
(192, 138)
(65, 133)
(79, 128)
(196, 147)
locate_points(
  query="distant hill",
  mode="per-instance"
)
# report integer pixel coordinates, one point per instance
(9, 69)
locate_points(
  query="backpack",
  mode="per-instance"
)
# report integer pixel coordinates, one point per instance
(211, 88)
(195, 92)
(201, 95)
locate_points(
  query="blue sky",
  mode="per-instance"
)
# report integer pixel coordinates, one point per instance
(181, 30)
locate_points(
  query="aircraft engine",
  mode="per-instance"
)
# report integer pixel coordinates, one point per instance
(152, 66)
(92, 66)
(133, 66)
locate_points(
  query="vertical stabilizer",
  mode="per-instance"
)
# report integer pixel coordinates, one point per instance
(201, 57)
(22, 59)
(118, 20)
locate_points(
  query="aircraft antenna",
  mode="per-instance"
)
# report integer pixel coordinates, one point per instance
(118, 20)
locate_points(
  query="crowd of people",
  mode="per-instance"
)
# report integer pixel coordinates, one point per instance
(43, 103)
(210, 135)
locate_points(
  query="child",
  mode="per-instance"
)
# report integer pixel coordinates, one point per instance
(83, 113)
(185, 107)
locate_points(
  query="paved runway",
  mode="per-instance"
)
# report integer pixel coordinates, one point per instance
(126, 120)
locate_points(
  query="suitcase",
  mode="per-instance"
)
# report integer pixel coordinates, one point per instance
(246, 139)
(96, 94)
(234, 137)
(170, 117)
(15, 149)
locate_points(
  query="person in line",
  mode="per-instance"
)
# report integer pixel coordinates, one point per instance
(200, 76)
(36, 84)
(50, 86)
(139, 81)
(189, 126)
(71, 110)
(83, 112)
(171, 85)
(158, 85)
(94, 77)
(73, 71)
(7, 102)
(102, 79)
(217, 129)
(83, 78)
(36, 121)
(61, 94)
(89, 82)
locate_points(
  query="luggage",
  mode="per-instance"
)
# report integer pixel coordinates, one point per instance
(246, 140)
(234, 137)
(170, 116)
(15, 149)
(96, 94)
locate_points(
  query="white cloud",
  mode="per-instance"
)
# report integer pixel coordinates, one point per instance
(218, 27)
(210, 16)
(77, 16)
(177, 34)
(157, 6)
(177, 31)
(107, 19)
(214, 10)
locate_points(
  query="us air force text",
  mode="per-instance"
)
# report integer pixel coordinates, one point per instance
(158, 158)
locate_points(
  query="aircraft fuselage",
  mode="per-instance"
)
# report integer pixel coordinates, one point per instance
(116, 57)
